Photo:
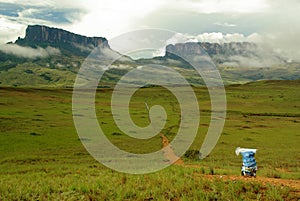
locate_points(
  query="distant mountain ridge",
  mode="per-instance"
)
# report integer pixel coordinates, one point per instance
(52, 57)
(73, 44)
(242, 54)
(229, 49)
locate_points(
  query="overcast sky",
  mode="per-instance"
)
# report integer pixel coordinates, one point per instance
(275, 22)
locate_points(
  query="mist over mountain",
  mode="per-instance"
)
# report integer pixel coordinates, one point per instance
(52, 57)
(233, 54)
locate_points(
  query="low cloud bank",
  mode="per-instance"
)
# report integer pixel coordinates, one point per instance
(28, 52)
(260, 55)
(214, 37)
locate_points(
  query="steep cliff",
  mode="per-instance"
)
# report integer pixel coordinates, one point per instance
(212, 49)
(237, 54)
(67, 42)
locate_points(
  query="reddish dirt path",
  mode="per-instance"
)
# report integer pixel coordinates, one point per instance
(170, 156)
(169, 153)
(264, 180)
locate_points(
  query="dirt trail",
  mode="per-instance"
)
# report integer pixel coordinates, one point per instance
(264, 180)
(169, 153)
(170, 156)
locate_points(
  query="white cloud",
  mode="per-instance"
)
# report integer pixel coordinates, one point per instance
(27, 13)
(261, 60)
(214, 37)
(48, 3)
(284, 34)
(225, 24)
(224, 6)
(109, 18)
(181, 38)
(28, 52)
(10, 30)
(143, 6)
(112, 17)
(30, 12)
(11, 27)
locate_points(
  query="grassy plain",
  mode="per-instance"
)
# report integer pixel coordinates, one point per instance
(42, 158)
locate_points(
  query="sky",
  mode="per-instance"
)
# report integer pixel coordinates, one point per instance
(271, 22)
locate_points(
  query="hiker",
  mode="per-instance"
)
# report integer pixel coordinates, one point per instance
(249, 167)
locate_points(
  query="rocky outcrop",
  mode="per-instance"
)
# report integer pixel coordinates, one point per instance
(38, 35)
(234, 54)
(184, 49)
(212, 49)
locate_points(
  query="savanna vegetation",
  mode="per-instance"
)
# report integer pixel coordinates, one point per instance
(42, 157)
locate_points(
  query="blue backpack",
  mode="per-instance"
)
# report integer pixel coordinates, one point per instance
(248, 159)
(249, 167)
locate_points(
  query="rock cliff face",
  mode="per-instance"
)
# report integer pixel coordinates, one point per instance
(236, 54)
(212, 49)
(37, 35)
(184, 49)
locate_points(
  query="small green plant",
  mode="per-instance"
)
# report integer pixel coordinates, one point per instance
(202, 170)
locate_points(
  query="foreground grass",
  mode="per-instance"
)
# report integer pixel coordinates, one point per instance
(42, 158)
(93, 182)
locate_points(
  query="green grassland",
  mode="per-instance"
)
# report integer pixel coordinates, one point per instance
(42, 158)
(60, 71)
